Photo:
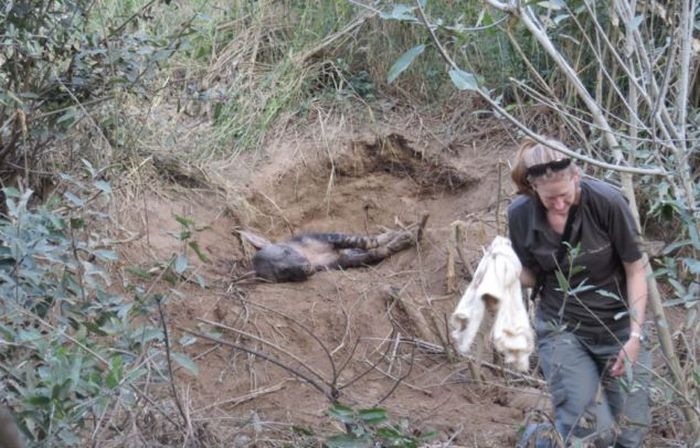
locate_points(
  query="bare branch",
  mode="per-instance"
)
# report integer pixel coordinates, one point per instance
(306, 365)
(264, 356)
(539, 138)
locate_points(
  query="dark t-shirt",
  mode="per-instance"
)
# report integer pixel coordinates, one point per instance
(606, 235)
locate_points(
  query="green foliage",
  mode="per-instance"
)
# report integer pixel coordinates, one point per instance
(463, 80)
(178, 267)
(55, 68)
(485, 51)
(371, 428)
(679, 265)
(72, 349)
(403, 62)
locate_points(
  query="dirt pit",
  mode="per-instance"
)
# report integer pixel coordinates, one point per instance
(372, 336)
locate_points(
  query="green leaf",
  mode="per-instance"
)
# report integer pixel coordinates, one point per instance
(69, 438)
(677, 245)
(560, 18)
(608, 294)
(342, 413)
(116, 372)
(634, 24)
(12, 95)
(106, 255)
(60, 391)
(12, 207)
(555, 5)
(389, 433)
(680, 289)
(187, 340)
(111, 381)
(103, 186)
(68, 116)
(74, 199)
(147, 334)
(582, 287)
(197, 250)
(673, 302)
(39, 400)
(91, 169)
(187, 222)
(620, 315)
(349, 441)
(200, 281)
(400, 12)
(373, 416)
(181, 263)
(11, 192)
(693, 265)
(403, 62)
(29, 95)
(28, 335)
(562, 281)
(463, 80)
(76, 367)
(694, 237)
(139, 272)
(185, 362)
(161, 55)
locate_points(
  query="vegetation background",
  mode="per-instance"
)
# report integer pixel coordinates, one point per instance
(101, 97)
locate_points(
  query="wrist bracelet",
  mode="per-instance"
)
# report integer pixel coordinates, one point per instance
(636, 334)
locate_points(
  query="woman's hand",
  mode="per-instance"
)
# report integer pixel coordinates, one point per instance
(629, 351)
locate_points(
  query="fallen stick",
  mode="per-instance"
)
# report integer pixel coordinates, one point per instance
(437, 349)
(242, 399)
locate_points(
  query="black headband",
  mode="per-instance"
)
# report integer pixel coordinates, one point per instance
(553, 166)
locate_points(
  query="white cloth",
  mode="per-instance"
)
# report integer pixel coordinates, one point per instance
(497, 277)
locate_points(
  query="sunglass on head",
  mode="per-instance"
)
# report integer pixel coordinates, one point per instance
(553, 166)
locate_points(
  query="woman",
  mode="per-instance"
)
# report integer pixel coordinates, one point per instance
(589, 320)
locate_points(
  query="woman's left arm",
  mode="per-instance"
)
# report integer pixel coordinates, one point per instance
(637, 302)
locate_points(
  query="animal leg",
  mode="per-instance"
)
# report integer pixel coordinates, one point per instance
(341, 241)
(352, 258)
(398, 240)
(253, 238)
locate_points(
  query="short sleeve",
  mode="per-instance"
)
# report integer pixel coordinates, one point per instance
(518, 229)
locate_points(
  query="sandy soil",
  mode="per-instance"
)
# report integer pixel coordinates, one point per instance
(373, 336)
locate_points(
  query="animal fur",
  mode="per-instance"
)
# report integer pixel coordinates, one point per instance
(496, 283)
(300, 257)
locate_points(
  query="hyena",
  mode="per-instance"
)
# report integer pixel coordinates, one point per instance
(301, 256)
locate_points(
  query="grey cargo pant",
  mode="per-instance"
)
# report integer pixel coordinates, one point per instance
(588, 403)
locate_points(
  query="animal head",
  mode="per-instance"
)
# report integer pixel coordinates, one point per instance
(281, 263)
(278, 262)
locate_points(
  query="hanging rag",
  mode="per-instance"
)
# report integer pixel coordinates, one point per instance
(496, 283)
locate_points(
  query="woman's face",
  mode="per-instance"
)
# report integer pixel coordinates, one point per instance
(558, 194)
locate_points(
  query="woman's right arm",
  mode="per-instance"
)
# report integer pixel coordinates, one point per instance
(527, 278)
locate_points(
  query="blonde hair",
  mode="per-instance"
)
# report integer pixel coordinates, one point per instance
(531, 153)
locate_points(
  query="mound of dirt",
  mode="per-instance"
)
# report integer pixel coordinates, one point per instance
(272, 357)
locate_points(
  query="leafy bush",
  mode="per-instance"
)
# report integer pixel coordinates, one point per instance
(55, 69)
(371, 428)
(74, 352)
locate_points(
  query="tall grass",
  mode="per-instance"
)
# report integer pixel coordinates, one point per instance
(248, 67)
